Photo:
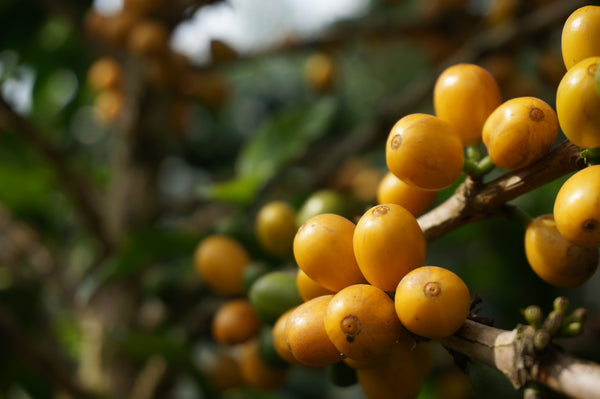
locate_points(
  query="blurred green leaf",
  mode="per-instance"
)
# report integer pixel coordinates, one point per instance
(240, 190)
(145, 248)
(285, 136)
(278, 141)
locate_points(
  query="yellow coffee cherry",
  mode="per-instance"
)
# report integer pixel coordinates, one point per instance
(519, 132)
(425, 152)
(578, 102)
(580, 35)
(464, 96)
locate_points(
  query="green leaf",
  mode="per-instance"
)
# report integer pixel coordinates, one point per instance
(240, 190)
(278, 141)
(284, 137)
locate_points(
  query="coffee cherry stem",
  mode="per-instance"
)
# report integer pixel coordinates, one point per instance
(473, 152)
(591, 156)
(479, 168)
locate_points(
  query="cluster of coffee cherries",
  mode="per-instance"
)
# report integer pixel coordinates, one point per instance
(360, 293)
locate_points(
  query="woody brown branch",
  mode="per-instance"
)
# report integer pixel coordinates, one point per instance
(507, 352)
(474, 200)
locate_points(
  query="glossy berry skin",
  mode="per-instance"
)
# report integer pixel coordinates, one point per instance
(323, 250)
(553, 258)
(388, 243)
(425, 152)
(519, 132)
(279, 342)
(577, 104)
(361, 322)
(392, 190)
(235, 322)
(306, 336)
(464, 96)
(432, 302)
(576, 209)
(398, 376)
(256, 372)
(580, 35)
(309, 288)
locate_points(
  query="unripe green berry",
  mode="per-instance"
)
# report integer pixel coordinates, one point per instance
(572, 329)
(533, 315)
(561, 304)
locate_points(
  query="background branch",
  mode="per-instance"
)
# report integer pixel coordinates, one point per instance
(74, 185)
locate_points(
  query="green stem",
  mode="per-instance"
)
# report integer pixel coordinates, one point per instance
(485, 165)
(473, 152)
(591, 156)
(478, 168)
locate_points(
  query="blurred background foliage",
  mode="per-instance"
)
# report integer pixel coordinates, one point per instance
(105, 192)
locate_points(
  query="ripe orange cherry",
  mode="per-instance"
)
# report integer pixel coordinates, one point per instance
(388, 243)
(425, 152)
(256, 372)
(309, 288)
(577, 104)
(306, 336)
(580, 35)
(519, 132)
(108, 105)
(432, 302)
(279, 342)
(392, 190)
(553, 258)
(399, 376)
(148, 38)
(576, 209)
(223, 370)
(220, 261)
(361, 322)
(235, 322)
(104, 73)
(464, 96)
(323, 250)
